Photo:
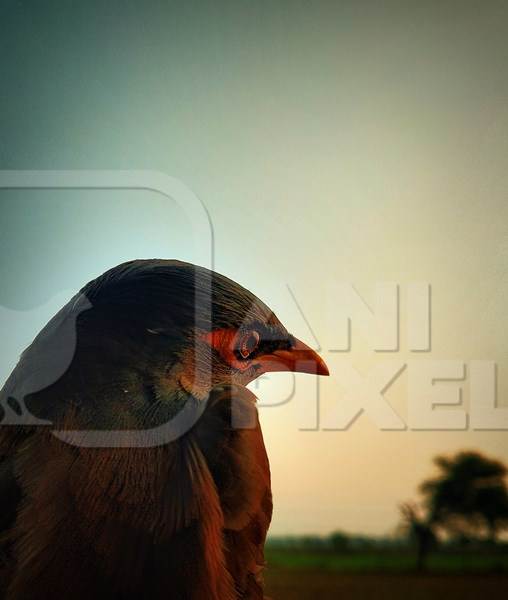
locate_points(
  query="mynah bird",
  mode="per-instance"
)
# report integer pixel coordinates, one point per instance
(102, 495)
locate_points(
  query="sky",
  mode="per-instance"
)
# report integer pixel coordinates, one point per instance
(330, 142)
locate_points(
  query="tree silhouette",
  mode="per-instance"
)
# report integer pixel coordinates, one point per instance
(420, 531)
(469, 494)
(339, 540)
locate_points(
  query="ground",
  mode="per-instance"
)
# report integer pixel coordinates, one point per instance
(291, 584)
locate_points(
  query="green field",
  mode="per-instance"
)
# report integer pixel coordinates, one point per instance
(385, 562)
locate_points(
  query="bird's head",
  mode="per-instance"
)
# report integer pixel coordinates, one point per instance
(157, 330)
(248, 342)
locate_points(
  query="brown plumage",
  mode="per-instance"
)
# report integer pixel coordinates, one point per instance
(185, 519)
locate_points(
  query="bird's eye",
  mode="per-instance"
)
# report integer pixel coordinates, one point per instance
(248, 343)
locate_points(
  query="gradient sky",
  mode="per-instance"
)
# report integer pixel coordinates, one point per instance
(329, 141)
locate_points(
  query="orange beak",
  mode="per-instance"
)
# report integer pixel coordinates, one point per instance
(300, 358)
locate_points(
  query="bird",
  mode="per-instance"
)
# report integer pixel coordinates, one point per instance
(150, 510)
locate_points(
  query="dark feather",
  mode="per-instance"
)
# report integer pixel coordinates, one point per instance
(191, 518)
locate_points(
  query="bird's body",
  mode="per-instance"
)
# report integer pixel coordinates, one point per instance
(184, 517)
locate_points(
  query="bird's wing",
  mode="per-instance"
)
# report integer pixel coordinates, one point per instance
(90, 516)
(220, 479)
(230, 438)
